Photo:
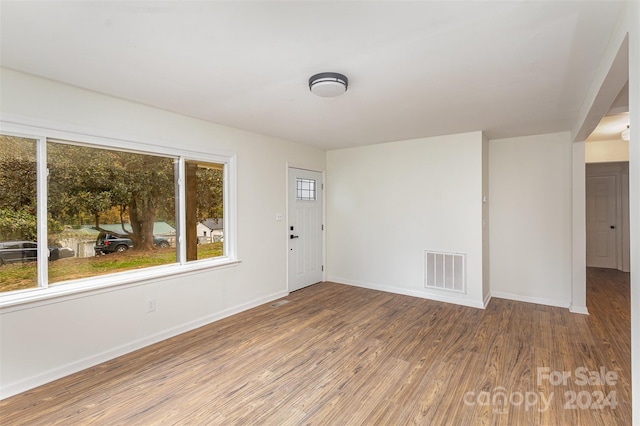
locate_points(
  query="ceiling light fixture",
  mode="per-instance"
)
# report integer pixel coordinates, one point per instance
(625, 134)
(328, 84)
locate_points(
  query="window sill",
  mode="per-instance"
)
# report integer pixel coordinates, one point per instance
(65, 290)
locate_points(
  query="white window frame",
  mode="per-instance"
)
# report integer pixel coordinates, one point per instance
(44, 292)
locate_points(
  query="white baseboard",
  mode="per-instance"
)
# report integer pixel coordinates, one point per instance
(486, 300)
(10, 389)
(529, 299)
(579, 310)
(408, 292)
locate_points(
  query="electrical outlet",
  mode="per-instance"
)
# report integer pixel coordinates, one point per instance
(151, 305)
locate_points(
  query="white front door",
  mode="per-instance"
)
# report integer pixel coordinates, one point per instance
(601, 221)
(305, 228)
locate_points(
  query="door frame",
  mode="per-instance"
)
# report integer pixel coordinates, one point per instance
(323, 209)
(614, 72)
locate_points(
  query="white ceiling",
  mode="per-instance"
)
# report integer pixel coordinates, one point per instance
(415, 69)
(610, 128)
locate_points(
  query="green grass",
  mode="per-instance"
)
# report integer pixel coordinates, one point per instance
(19, 276)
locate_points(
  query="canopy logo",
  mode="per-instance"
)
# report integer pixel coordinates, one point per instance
(500, 400)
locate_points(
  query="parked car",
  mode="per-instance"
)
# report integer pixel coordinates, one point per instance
(25, 251)
(111, 243)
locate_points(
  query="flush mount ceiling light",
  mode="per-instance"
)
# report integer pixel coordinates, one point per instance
(625, 134)
(328, 84)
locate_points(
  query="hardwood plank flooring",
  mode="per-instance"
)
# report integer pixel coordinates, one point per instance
(343, 355)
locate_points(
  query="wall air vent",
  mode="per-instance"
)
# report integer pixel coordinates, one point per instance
(445, 271)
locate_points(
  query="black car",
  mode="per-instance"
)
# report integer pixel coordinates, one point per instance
(110, 243)
(25, 251)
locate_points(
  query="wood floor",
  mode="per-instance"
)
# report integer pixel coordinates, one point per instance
(340, 355)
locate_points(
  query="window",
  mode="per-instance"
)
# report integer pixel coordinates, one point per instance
(306, 189)
(204, 210)
(106, 210)
(103, 202)
(18, 213)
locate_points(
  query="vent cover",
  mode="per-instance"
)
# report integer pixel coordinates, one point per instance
(445, 271)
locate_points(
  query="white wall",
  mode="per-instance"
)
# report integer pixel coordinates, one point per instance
(530, 218)
(578, 230)
(388, 203)
(486, 230)
(45, 340)
(607, 151)
(633, 26)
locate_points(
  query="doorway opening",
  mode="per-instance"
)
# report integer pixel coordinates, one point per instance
(607, 191)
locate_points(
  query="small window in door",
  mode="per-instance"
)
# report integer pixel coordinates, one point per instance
(305, 189)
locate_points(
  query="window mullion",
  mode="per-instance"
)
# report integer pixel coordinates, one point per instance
(230, 212)
(181, 192)
(41, 183)
(226, 219)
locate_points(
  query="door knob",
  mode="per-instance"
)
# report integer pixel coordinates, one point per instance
(292, 237)
(612, 227)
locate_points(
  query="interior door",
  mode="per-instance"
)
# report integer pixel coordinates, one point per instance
(601, 221)
(305, 228)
